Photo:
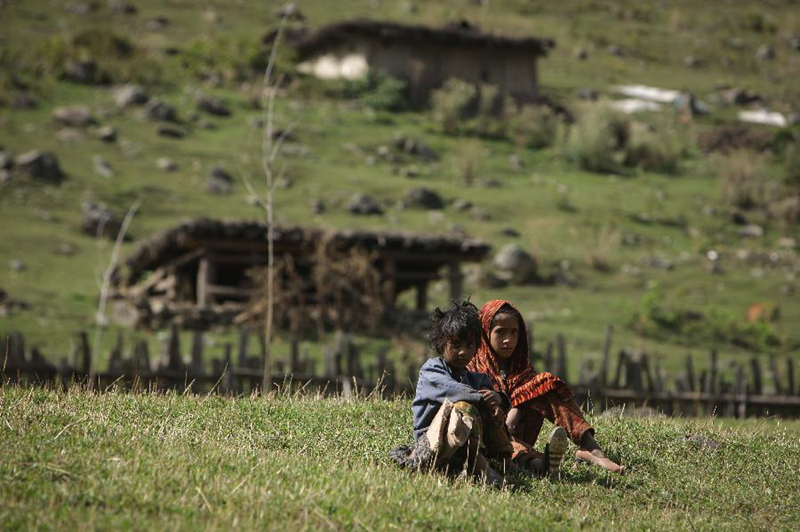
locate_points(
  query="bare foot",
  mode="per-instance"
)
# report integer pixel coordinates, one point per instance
(598, 457)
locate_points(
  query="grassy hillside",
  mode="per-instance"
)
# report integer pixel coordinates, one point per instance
(564, 214)
(85, 461)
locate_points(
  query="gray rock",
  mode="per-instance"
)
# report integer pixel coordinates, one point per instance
(515, 161)
(82, 71)
(515, 265)
(317, 206)
(98, 220)
(170, 132)
(415, 147)
(481, 215)
(157, 23)
(751, 231)
(5, 176)
(423, 198)
(75, 115)
(510, 232)
(581, 54)
(80, 8)
(24, 101)
(491, 183)
(16, 265)
(613, 49)
(765, 52)
(461, 204)
(589, 94)
(65, 249)
(69, 135)
(657, 263)
(107, 134)
(794, 42)
(213, 105)
(219, 181)
(166, 164)
(129, 95)
(364, 205)
(410, 171)
(121, 7)
(738, 96)
(40, 165)
(160, 110)
(102, 168)
(6, 160)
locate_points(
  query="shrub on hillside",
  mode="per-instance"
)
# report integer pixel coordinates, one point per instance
(654, 149)
(453, 104)
(745, 181)
(230, 59)
(387, 94)
(532, 126)
(596, 140)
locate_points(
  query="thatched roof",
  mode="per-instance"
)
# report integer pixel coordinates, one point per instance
(188, 236)
(308, 42)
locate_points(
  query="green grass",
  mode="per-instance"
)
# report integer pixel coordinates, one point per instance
(81, 460)
(63, 290)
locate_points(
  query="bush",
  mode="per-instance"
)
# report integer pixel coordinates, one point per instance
(233, 59)
(533, 126)
(453, 104)
(468, 162)
(387, 94)
(792, 164)
(652, 149)
(744, 179)
(596, 140)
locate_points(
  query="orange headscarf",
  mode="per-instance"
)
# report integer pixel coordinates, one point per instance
(522, 383)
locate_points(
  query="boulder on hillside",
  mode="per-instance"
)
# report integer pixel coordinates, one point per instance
(515, 265)
(219, 181)
(160, 110)
(166, 164)
(83, 71)
(107, 134)
(99, 221)
(40, 165)
(415, 147)
(364, 205)
(129, 95)
(423, 198)
(73, 115)
(213, 105)
(121, 7)
(170, 132)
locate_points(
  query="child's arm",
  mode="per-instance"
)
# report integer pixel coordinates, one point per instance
(437, 385)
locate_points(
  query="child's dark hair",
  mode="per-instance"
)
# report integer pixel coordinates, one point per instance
(509, 311)
(459, 322)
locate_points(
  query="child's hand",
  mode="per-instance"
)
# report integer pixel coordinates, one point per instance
(491, 398)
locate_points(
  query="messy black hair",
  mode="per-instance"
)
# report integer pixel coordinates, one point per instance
(459, 322)
(510, 311)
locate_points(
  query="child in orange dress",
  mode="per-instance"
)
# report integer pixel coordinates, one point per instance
(531, 396)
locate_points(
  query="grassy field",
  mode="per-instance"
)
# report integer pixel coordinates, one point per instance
(339, 135)
(82, 461)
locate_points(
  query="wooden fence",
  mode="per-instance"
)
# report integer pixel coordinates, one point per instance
(634, 379)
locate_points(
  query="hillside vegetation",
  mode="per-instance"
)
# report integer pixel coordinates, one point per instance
(622, 231)
(81, 460)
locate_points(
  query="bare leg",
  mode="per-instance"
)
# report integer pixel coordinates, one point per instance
(591, 452)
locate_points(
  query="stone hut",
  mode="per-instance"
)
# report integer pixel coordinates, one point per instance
(198, 274)
(425, 57)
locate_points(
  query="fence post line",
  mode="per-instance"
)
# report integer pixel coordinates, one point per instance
(757, 382)
(606, 354)
(790, 376)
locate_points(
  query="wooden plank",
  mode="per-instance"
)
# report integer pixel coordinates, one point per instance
(422, 296)
(173, 358)
(561, 367)
(85, 352)
(755, 367)
(196, 364)
(690, 378)
(713, 372)
(606, 354)
(203, 273)
(456, 279)
(791, 390)
(222, 290)
(773, 369)
(244, 340)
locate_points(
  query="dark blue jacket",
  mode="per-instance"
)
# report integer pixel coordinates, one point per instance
(437, 382)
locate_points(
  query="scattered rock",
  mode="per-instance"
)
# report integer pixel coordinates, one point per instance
(83, 71)
(65, 249)
(613, 49)
(417, 148)
(107, 134)
(491, 183)
(171, 132)
(515, 161)
(765, 52)
(75, 115)
(362, 204)
(290, 11)
(657, 263)
(160, 110)
(627, 269)
(691, 61)
(737, 96)
(751, 231)
(786, 242)
(423, 198)
(589, 94)
(581, 54)
(129, 95)
(461, 204)
(481, 215)
(98, 220)
(80, 8)
(211, 16)
(515, 265)
(213, 105)
(121, 7)
(166, 164)
(5, 176)
(6, 160)
(410, 172)
(68, 135)
(24, 101)
(40, 165)
(317, 206)
(219, 181)
(703, 443)
(16, 265)
(10, 305)
(510, 232)
(102, 168)
(794, 42)
(157, 23)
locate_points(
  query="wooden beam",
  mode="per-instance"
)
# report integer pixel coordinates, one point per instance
(205, 276)
(422, 296)
(456, 280)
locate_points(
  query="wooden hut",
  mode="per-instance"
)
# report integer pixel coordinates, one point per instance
(425, 57)
(197, 274)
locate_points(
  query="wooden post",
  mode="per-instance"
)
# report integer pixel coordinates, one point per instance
(790, 376)
(422, 295)
(756, 368)
(390, 281)
(173, 354)
(712, 373)
(620, 364)
(456, 280)
(690, 380)
(561, 368)
(141, 357)
(115, 360)
(85, 352)
(294, 356)
(14, 358)
(657, 373)
(547, 359)
(741, 391)
(606, 354)
(227, 381)
(205, 277)
(651, 386)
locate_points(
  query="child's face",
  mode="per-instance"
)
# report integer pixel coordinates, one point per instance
(458, 353)
(504, 335)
